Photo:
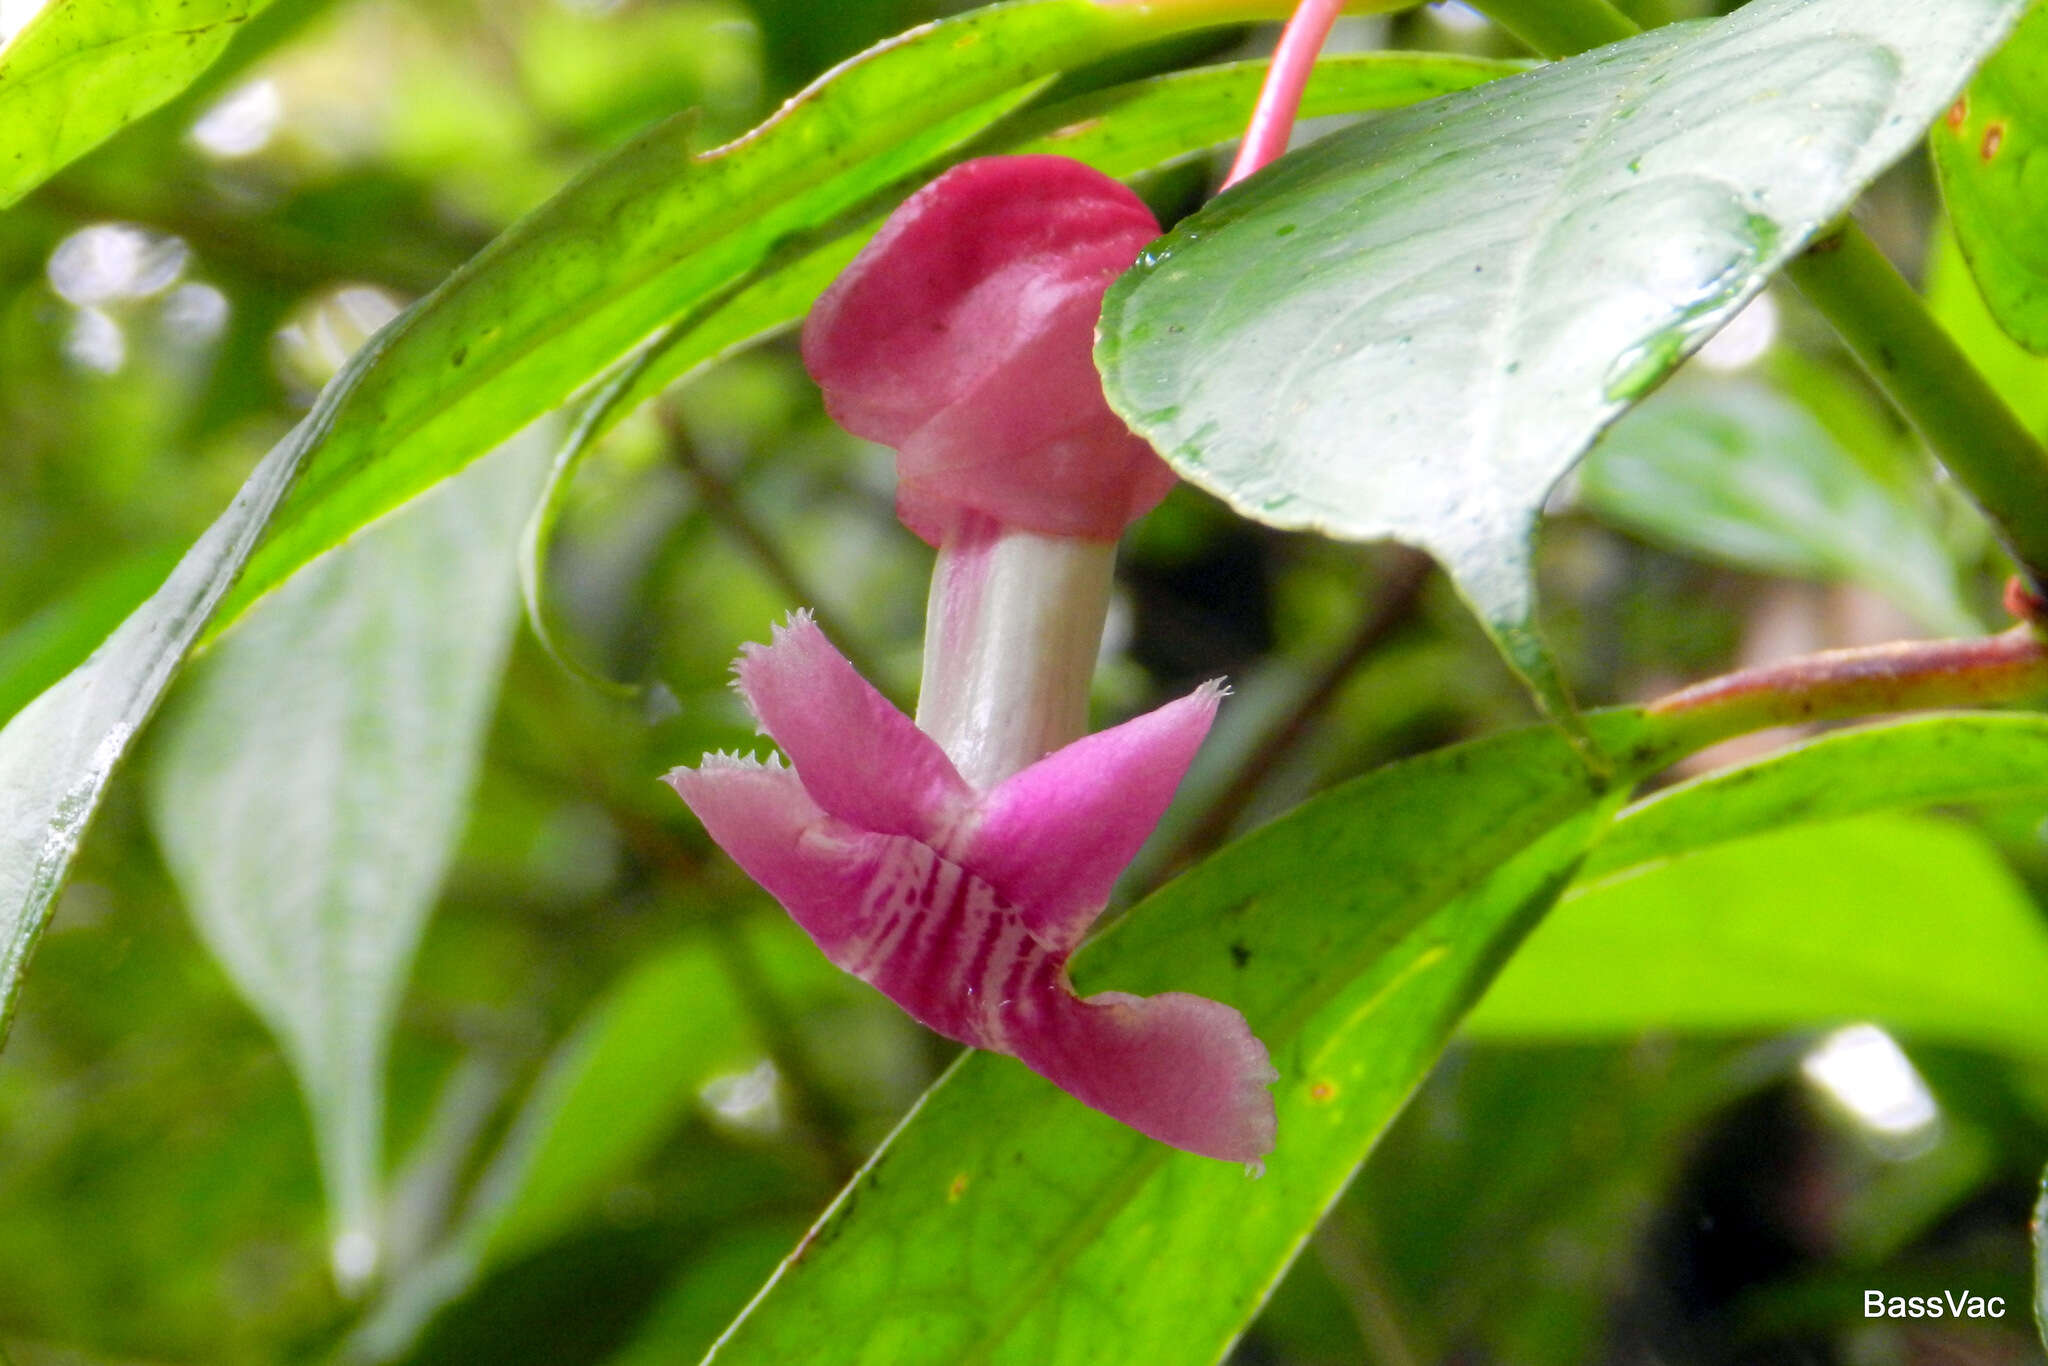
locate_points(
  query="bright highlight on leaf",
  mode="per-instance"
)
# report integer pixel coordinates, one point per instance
(1864, 1070)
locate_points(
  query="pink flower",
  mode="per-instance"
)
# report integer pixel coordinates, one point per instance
(954, 862)
(962, 905)
(961, 336)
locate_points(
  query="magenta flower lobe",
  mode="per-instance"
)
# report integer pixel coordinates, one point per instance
(962, 906)
(962, 336)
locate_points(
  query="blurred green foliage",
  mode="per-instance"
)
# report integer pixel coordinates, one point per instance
(621, 1085)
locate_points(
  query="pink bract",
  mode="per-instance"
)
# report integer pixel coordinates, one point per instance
(962, 335)
(962, 906)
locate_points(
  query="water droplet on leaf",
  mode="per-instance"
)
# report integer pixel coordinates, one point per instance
(1635, 370)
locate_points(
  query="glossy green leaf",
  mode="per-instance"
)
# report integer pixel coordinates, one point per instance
(1141, 126)
(1911, 922)
(1926, 761)
(1004, 1222)
(1992, 153)
(1413, 328)
(80, 70)
(1737, 472)
(313, 780)
(647, 236)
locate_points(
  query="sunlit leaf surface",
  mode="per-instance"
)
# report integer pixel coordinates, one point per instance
(1953, 294)
(1125, 131)
(1911, 922)
(621, 1083)
(1412, 329)
(1992, 152)
(81, 69)
(655, 232)
(1928, 761)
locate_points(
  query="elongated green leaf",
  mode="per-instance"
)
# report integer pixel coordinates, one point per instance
(1006, 1223)
(646, 237)
(58, 752)
(1927, 761)
(1738, 472)
(1914, 923)
(80, 70)
(1143, 125)
(313, 782)
(1412, 328)
(1990, 151)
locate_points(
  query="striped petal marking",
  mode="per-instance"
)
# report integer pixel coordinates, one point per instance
(963, 906)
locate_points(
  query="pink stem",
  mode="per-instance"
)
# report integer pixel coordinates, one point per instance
(1280, 98)
(1906, 676)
